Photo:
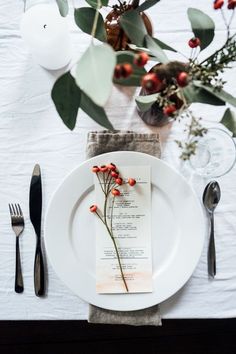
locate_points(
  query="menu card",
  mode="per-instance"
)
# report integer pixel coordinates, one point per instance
(131, 227)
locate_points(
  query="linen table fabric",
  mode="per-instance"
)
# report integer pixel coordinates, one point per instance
(100, 143)
(32, 132)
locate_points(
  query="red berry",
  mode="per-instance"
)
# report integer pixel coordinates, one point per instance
(231, 4)
(111, 166)
(169, 110)
(126, 70)
(103, 168)
(118, 71)
(95, 169)
(115, 192)
(194, 42)
(218, 4)
(151, 83)
(182, 79)
(141, 59)
(93, 208)
(131, 182)
(114, 174)
(119, 181)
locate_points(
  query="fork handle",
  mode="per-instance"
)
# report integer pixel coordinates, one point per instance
(19, 287)
(39, 284)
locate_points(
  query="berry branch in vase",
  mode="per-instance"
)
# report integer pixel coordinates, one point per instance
(111, 184)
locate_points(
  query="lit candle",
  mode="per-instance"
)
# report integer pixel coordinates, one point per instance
(46, 33)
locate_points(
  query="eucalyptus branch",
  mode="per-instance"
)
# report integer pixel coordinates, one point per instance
(95, 21)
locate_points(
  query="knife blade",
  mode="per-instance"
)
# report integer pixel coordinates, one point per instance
(35, 207)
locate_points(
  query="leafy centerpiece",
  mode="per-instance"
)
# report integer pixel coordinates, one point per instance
(126, 45)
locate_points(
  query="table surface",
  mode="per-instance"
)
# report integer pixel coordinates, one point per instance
(31, 132)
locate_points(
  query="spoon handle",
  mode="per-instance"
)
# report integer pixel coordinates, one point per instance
(212, 250)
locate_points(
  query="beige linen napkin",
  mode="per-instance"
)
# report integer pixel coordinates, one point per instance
(100, 143)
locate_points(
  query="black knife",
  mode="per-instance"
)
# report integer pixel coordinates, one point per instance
(35, 206)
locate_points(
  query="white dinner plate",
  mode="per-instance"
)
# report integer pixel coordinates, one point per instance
(178, 231)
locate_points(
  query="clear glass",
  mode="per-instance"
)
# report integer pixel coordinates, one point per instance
(215, 155)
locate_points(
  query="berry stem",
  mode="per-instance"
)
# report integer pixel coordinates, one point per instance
(99, 180)
(107, 191)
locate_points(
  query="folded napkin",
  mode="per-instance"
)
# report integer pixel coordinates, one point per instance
(100, 143)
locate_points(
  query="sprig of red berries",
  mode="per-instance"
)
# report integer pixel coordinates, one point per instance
(110, 182)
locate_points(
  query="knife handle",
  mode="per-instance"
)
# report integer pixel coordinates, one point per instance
(39, 284)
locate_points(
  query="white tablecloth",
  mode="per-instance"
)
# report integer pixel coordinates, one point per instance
(31, 132)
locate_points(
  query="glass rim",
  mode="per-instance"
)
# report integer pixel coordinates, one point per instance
(234, 160)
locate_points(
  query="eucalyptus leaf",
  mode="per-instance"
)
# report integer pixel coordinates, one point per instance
(155, 49)
(135, 78)
(94, 111)
(203, 26)
(146, 4)
(144, 103)
(95, 5)
(84, 18)
(94, 72)
(63, 7)
(194, 94)
(229, 121)
(163, 45)
(133, 25)
(66, 96)
(221, 94)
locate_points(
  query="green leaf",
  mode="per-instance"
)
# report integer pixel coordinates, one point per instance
(94, 3)
(221, 94)
(229, 121)
(156, 50)
(203, 26)
(66, 97)
(144, 103)
(163, 45)
(194, 94)
(84, 17)
(94, 111)
(135, 78)
(63, 7)
(94, 72)
(133, 25)
(146, 4)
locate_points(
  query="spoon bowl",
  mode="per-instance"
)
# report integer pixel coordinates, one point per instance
(211, 196)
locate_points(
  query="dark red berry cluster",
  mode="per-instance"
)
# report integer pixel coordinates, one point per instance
(219, 3)
(123, 71)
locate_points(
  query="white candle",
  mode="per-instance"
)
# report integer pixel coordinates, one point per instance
(46, 33)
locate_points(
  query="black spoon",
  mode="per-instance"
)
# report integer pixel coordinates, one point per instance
(211, 198)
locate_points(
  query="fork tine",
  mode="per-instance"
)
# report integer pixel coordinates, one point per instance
(11, 212)
(17, 210)
(20, 211)
(14, 212)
